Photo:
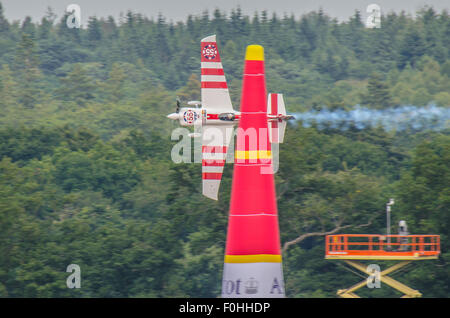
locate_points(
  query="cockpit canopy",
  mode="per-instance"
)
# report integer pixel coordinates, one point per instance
(227, 116)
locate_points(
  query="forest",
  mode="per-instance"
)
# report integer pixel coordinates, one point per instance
(86, 175)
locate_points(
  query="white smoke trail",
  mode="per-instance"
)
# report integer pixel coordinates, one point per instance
(430, 117)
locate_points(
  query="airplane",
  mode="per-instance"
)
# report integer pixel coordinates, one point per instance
(216, 117)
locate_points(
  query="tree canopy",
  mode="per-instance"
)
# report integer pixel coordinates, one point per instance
(86, 176)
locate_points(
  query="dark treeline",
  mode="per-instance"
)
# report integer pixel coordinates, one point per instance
(307, 57)
(85, 170)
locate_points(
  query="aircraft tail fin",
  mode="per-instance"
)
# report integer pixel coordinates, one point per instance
(275, 107)
(214, 88)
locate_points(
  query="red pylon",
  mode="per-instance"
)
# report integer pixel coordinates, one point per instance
(253, 265)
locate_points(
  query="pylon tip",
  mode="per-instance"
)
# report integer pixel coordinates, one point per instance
(254, 53)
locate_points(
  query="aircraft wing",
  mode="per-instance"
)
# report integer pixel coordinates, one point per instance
(215, 141)
(214, 90)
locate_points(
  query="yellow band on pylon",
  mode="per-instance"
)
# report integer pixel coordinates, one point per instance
(254, 53)
(253, 154)
(259, 258)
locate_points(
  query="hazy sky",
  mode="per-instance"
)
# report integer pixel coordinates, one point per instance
(177, 10)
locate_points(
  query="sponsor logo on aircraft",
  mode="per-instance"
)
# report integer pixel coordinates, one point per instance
(190, 116)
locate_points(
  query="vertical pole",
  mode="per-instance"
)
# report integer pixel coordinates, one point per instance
(388, 224)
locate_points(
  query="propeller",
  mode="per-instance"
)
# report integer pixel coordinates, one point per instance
(178, 105)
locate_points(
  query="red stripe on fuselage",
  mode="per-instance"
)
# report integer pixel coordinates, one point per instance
(212, 116)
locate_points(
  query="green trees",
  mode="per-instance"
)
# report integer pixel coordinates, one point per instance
(85, 170)
(46, 26)
(191, 91)
(424, 201)
(138, 225)
(4, 24)
(412, 48)
(8, 88)
(77, 86)
(400, 42)
(425, 194)
(378, 94)
(26, 64)
(94, 34)
(312, 44)
(114, 85)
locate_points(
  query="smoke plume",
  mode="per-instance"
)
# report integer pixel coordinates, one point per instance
(430, 117)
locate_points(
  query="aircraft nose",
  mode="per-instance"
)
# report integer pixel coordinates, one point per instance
(173, 116)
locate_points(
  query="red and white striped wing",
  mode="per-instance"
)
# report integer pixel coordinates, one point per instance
(215, 95)
(215, 141)
(275, 107)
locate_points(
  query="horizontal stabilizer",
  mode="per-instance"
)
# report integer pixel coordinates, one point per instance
(276, 108)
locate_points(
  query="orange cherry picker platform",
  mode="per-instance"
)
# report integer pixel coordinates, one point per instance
(403, 248)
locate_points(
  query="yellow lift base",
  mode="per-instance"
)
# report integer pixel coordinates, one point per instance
(407, 291)
(352, 247)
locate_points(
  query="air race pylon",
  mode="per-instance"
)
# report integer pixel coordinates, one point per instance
(253, 265)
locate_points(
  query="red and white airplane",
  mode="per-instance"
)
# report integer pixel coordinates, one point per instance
(216, 117)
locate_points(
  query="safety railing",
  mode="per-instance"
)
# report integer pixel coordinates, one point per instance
(382, 245)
